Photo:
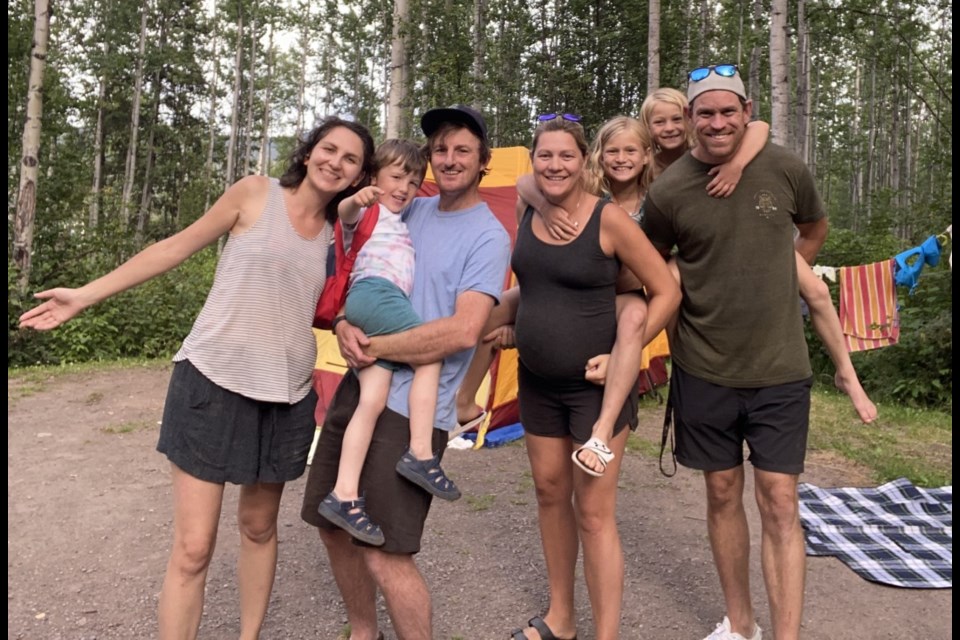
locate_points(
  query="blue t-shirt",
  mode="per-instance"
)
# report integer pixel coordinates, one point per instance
(457, 251)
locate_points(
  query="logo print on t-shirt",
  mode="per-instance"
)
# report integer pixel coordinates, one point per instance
(765, 203)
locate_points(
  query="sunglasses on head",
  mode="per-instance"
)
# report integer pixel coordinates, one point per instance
(570, 117)
(701, 73)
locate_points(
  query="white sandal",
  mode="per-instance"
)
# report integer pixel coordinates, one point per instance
(598, 448)
(467, 426)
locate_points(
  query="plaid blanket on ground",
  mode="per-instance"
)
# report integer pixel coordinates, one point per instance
(895, 534)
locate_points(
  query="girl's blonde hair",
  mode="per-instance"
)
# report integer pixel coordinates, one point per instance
(670, 96)
(596, 181)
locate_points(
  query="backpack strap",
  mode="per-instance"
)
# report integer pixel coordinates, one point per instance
(361, 234)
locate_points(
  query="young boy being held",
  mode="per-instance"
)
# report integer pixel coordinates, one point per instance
(378, 303)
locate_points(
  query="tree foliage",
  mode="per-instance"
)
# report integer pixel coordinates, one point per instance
(880, 125)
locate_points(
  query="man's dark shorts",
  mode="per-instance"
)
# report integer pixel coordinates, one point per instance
(397, 505)
(713, 421)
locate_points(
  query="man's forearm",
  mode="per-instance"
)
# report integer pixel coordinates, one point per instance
(430, 342)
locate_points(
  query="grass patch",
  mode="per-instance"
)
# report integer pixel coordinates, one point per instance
(643, 446)
(17, 389)
(127, 427)
(904, 442)
(481, 502)
(43, 374)
(525, 483)
(27, 381)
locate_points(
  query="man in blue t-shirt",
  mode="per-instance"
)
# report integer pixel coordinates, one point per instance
(462, 253)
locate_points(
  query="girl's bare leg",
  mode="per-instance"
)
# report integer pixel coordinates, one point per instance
(623, 366)
(826, 323)
(504, 313)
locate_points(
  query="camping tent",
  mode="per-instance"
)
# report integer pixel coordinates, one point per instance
(499, 392)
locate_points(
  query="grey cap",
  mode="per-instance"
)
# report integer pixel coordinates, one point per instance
(458, 113)
(716, 82)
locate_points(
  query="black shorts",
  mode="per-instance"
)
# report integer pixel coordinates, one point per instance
(568, 409)
(397, 505)
(220, 436)
(713, 421)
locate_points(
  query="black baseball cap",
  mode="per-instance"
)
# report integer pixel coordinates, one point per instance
(458, 113)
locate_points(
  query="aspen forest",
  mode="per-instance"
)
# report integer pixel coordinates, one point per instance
(127, 119)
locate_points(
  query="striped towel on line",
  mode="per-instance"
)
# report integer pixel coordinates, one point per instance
(868, 306)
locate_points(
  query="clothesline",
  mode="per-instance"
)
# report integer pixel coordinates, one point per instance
(869, 313)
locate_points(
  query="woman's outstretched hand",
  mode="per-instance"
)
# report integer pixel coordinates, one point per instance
(61, 305)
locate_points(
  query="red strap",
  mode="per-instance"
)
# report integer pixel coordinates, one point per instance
(361, 234)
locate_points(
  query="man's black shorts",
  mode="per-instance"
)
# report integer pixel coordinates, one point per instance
(713, 421)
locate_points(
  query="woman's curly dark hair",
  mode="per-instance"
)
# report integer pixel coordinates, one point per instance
(297, 170)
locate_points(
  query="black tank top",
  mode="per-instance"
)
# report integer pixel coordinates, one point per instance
(567, 311)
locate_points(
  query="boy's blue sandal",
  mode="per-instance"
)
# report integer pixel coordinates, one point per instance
(351, 516)
(427, 475)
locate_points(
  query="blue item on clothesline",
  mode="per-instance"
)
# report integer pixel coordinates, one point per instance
(910, 263)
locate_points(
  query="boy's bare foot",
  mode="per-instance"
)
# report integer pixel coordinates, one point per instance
(851, 386)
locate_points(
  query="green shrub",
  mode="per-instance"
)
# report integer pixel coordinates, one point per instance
(149, 321)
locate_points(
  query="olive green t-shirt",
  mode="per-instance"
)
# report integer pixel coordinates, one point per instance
(739, 323)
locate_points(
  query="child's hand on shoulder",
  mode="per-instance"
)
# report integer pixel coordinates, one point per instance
(367, 196)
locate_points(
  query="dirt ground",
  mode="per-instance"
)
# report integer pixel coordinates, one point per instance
(89, 512)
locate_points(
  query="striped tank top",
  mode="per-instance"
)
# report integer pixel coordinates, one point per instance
(254, 334)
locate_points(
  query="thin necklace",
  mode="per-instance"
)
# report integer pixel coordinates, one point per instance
(576, 223)
(620, 204)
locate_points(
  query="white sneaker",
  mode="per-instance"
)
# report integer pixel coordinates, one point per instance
(723, 632)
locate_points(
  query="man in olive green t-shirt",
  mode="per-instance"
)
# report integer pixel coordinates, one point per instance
(740, 366)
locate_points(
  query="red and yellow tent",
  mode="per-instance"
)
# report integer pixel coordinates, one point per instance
(498, 394)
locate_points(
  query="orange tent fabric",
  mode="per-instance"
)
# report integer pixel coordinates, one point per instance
(498, 395)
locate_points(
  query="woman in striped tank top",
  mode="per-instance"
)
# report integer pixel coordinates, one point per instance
(240, 405)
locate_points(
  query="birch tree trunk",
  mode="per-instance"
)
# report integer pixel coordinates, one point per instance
(94, 218)
(235, 115)
(753, 90)
(802, 140)
(304, 50)
(871, 141)
(396, 116)
(131, 166)
(263, 163)
(144, 213)
(479, 49)
(906, 195)
(143, 216)
(212, 117)
(251, 93)
(653, 46)
(857, 169)
(704, 30)
(779, 75)
(29, 164)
